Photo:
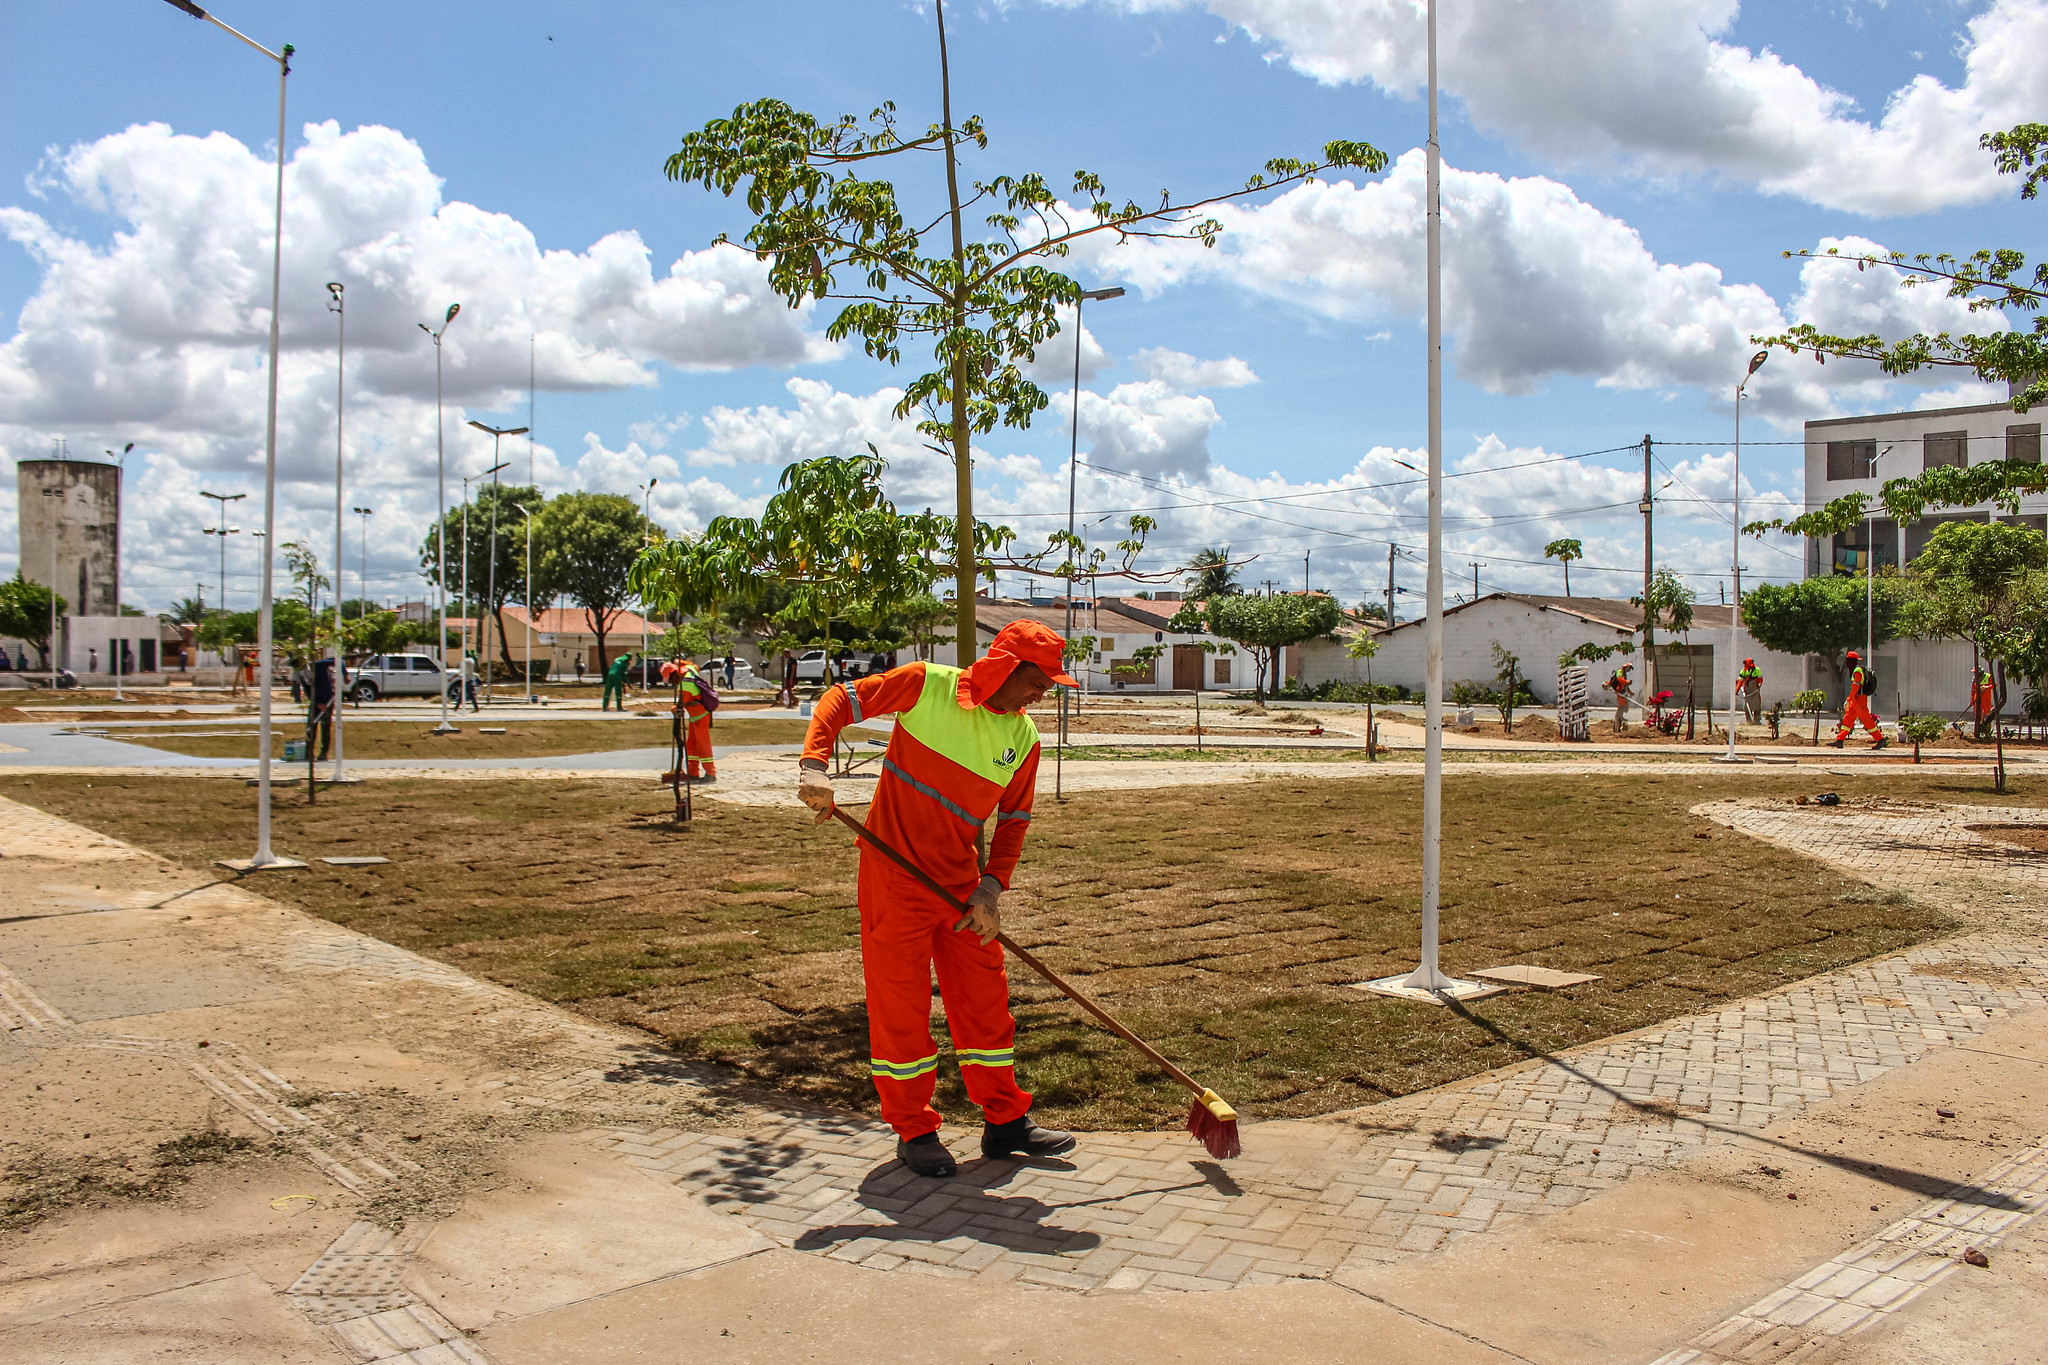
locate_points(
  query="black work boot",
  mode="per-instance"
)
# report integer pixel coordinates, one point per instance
(1881, 743)
(1021, 1137)
(927, 1156)
(1834, 744)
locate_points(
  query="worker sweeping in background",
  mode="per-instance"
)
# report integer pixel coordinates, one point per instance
(963, 749)
(615, 682)
(1750, 683)
(1983, 701)
(1619, 683)
(696, 699)
(1856, 710)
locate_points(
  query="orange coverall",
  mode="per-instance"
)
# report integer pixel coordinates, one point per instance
(1985, 698)
(1857, 709)
(947, 768)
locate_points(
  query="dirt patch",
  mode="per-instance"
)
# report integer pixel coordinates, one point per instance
(2033, 838)
(382, 739)
(1224, 922)
(1982, 973)
(39, 1183)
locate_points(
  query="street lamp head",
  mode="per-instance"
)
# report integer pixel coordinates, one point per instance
(188, 7)
(1096, 295)
(453, 309)
(1756, 362)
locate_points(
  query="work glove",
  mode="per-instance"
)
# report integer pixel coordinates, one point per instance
(814, 789)
(983, 917)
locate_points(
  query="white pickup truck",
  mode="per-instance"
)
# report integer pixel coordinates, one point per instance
(402, 675)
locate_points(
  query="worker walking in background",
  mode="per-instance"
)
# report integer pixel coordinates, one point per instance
(963, 750)
(615, 682)
(1856, 710)
(1983, 701)
(1619, 683)
(1750, 683)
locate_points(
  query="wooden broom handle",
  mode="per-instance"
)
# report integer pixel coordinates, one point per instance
(1108, 1020)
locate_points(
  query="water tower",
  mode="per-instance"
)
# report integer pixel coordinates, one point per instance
(80, 520)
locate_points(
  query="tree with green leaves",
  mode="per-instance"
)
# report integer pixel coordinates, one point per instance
(189, 611)
(1565, 551)
(1263, 625)
(986, 301)
(1825, 617)
(1668, 603)
(1508, 673)
(497, 562)
(1985, 582)
(25, 611)
(585, 549)
(1993, 280)
(303, 564)
(1212, 574)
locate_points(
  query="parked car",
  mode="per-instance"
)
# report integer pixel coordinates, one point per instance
(742, 673)
(812, 666)
(402, 675)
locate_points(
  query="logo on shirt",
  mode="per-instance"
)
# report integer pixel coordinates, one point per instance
(1008, 759)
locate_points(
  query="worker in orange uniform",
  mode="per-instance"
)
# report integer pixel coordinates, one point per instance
(1856, 710)
(1983, 700)
(963, 749)
(696, 699)
(1749, 683)
(1619, 683)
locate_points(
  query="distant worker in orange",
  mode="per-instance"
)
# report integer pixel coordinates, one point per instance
(1619, 683)
(963, 750)
(696, 699)
(1750, 683)
(1856, 710)
(1983, 700)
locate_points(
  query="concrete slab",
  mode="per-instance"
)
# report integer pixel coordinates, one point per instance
(138, 976)
(236, 1319)
(784, 1306)
(1543, 978)
(575, 1225)
(1399, 989)
(363, 860)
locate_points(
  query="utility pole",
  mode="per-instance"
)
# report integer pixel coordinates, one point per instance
(1304, 572)
(1390, 583)
(1649, 626)
(1475, 578)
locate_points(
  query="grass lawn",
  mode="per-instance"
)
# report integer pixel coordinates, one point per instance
(522, 739)
(1223, 923)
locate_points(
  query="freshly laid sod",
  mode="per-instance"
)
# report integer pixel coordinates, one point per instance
(522, 739)
(1222, 922)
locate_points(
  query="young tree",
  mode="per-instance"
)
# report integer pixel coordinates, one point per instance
(1812, 701)
(1508, 673)
(1668, 603)
(304, 566)
(1213, 575)
(585, 547)
(1992, 280)
(1823, 616)
(1985, 582)
(1264, 625)
(25, 610)
(986, 305)
(1565, 551)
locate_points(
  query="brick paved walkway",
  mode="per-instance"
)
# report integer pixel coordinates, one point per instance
(1406, 1178)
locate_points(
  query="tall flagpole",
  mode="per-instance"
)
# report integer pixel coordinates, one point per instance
(1427, 981)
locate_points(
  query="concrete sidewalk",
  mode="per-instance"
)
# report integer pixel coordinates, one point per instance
(448, 1171)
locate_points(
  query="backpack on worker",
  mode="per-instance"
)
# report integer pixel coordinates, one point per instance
(1869, 688)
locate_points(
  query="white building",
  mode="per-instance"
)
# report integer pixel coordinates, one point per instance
(1857, 454)
(1122, 626)
(1536, 629)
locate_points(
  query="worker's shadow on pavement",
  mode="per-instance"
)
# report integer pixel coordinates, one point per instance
(922, 1210)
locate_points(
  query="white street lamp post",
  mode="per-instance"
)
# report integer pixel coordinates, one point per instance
(1735, 607)
(532, 624)
(264, 652)
(646, 535)
(362, 563)
(340, 671)
(441, 521)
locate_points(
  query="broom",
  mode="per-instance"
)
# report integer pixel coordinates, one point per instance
(1212, 1121)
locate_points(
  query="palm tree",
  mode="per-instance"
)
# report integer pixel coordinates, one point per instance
(1565, 551)
(190, 611)
(1212, 575)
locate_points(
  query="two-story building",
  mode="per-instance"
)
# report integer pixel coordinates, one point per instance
(1858, 454)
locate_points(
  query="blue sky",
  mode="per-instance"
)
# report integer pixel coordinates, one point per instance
(558, 118)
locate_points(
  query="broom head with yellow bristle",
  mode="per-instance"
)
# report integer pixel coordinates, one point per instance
(1214, 1124)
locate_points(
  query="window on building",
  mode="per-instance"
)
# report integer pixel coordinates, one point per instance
(1945, 448)
(2023, 443)
(1876, 539)
(1109, 643)
(1851, 459)
(1223, 672)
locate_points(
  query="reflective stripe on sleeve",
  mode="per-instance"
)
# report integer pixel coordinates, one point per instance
(852, 698)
